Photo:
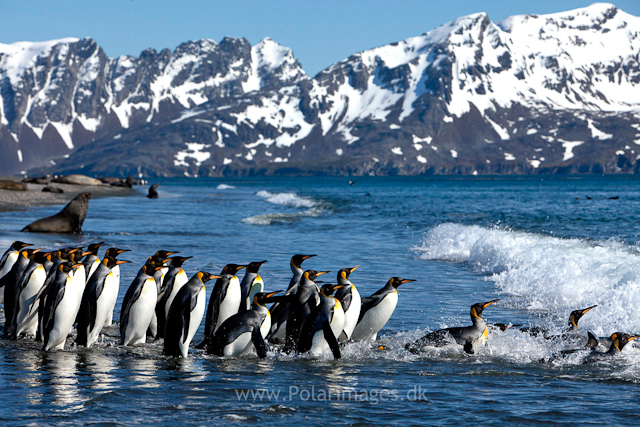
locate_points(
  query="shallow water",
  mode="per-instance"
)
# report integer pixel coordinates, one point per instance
(537, 243)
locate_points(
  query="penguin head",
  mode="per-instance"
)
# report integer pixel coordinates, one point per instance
(93, 248)
(253, 267)
(576, 315)
(28, 253)
(17, 245)
(112, 262)
(177, 261)
(114, 252)
(328, 289)
(478, 308)
(297, 260)
(64, 253)
(149, 269)
(312, 274)
(205, 277)
(40, 257)
(620, 339)
(66, 267)
(397, 281)
(262, 298)
(345, 272)
(164, 254)
(76, 256)
(232, 269)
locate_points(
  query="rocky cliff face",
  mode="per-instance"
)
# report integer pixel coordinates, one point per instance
(532, 94)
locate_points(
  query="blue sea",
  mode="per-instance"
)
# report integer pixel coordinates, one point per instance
(544, 245)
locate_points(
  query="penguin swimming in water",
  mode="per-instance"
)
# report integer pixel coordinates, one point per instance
(251, 284)
(111, 292)
(185, 315)
(245, 331)
(571, 329)
(26, 312)
(91, 260)
(377, 310)
(96, 301)
(62, 307)
(466, 336)
(138, 306)
(280, 310)
(618, 341)
(173, 281)
(323, 326)
(351, 302)
(7, 261)
(224, 301)
(301, 304)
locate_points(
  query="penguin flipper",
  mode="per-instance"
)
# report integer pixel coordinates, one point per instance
(186, 319)
(331, 340)
(48, 324)
(592, 341)
(258, 343)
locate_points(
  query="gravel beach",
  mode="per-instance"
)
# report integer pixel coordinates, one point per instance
(17, 200)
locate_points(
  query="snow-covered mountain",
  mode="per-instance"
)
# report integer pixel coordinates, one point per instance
(530, 94)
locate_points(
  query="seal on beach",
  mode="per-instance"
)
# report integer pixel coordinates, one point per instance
(7, 184)
(68, 220)
(77, 180)
(153, 191)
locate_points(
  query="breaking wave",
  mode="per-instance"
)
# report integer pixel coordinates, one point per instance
(289, 200)
(224, 187)
(545, 273)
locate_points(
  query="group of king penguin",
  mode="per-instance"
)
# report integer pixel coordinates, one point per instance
(47, 293)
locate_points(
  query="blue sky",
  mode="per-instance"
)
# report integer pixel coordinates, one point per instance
(319, 32)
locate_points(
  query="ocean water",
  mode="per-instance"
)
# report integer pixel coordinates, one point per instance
(544, 245)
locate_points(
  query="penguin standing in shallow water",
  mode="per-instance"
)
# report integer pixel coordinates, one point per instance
(302, 303)
(26, 312)
(351, 302)
(11, 282)
(138, 306)
(62, 307)
(111, 292)
(377, 309)
(96, 301)
(245, 331)
(185, 315)
(466, 336)
(251, 284)
(224, 301)
(175, 279)
(325, 323)
(7, 261)
(280, 310)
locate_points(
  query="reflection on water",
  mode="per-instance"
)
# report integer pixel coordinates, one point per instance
(101, 368)
(62, 381)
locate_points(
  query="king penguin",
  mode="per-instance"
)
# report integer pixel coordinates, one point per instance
(91, 260)
(173, 281)
(96, 301)
(62, 307)
(244, 332)
(7, 261)
(302, 303)
(185, 315)
(377, 310)
(11, 282)
(280, 310)
(32, 281)
(618, 341)
(138, 306)
(224, 301)
(466, 336)
(351, 302)
(323, 326)
(251, 284)
(113, 291)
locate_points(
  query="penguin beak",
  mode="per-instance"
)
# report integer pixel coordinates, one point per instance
(214, 277)
(86, 253)
(121, 251)
(160, 267)
(338, 287)
(74, 250)
(587, 309)
(633, 337)
(37, 250)
(273, 293)
(354, 268)
(258, 264)
(121, 261)
(320, 273)
(74, 266)
(307, 257)
(487, 304)
(405, 281)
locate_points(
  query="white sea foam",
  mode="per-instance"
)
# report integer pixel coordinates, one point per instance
(269, 219)
(287, 199)
(224, 187)
(548, 273)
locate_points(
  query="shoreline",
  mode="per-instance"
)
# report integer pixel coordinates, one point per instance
(11, 200)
